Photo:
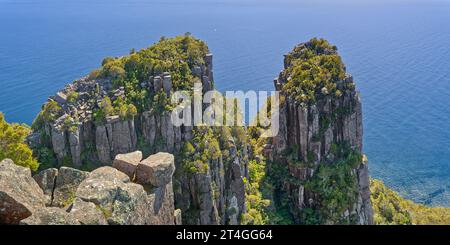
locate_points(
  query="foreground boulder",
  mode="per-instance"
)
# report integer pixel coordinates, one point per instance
(104, 196)
(66, 185)
(87, 213)
(156, 170)
(46, 180)
(50, 216)
(121, 201)
(127, 163)
(20, 195)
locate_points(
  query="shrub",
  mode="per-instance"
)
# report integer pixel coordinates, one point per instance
(12, 137)
(313, 70)
(49, 112)
(105, 109)
(72, 97)
(391, 209)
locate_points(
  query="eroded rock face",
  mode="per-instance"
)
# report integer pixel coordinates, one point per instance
(125, 202)
(46, 179)
(87, 213)
(20, 195)
(66, 186)
(177, 217)
(364, 206)
(312, 132)
(90, 141)
(157, 170)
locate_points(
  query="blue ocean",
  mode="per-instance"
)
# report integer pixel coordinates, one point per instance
(398, 52)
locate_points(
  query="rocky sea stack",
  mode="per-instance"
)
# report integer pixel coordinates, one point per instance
(320, 140)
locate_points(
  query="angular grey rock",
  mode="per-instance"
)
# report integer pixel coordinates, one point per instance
(46, 180)
(177, 217)
(157, 83)
(364, 209)
(102, 144)
(149, 127)
(206, 83)
(233, 211)
(59, 143)
(156, 170)
(127, 163)
(209, 60)
(197, 71)
(121, 201)
(50, 216)
(168, 132)
(20, 195)
(203, 193)
(87, 213)
(167, 84)
(101, 185)
(123, 137)
(161, 205)
(66, 186)
(75, 147)
(60, 97)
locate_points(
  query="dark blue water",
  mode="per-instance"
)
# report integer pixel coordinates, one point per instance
(399, 54)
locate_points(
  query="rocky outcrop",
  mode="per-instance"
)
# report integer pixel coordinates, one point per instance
(128, 163)
(121, 201)
(87, 213)
(208, 195)
(310, 133)
(103, 196)
(76, 138)
(313, 129)
(157, 170)
(364, 206)
(20, 195)
(46, 179)
(50, 216)
(67, 182)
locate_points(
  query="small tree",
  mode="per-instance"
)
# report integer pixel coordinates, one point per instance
(12, 146)
(106, 109)
(72, 97)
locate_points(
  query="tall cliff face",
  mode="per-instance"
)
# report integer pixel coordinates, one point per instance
(125, 106)
(320, 139)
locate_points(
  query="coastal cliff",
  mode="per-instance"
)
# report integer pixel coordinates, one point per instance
(315, 161)
(125, 106)
(320, 139)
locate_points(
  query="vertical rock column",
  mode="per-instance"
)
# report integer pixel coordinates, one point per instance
(156, 172)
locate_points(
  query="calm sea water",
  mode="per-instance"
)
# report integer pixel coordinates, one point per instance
(399, 54)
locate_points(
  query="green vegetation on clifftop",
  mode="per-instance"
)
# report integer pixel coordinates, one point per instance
(177, 56)
(313, 68)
